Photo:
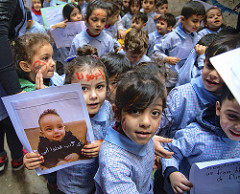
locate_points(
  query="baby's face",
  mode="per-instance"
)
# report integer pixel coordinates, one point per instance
(52, 127)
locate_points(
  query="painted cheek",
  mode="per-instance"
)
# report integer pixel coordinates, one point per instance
(39, 65)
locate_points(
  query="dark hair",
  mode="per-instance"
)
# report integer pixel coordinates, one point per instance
(118, 2)
(115, 63)
(211, 8)
(83, 62)
(228, 30)
(222, 44)
(207, 39)
(132, 2)
(87, 50)
(47, 112)
(226, 94)
(192, 8)
(25, 48)
(169, 18)
(161, 2)
(68, 8)
(112, 8)
(140, 16)
(136, 92)
(94, 4)
(29, 14)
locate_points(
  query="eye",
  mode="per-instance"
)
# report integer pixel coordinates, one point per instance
(49, 129)
(156, 113)
(210, 66)
(232, 116)
(99, 87)
(60, 126)
(45, 58)
(84, 89)
(134, 112)
(114, 83)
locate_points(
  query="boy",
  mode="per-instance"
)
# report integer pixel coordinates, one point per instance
(139, 21)
(53, 135)
(162, 7)
(135, 46)
(181, 41)
(210, 138)
(164, 25)
(148, 8)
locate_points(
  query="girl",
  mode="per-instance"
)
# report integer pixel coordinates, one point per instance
(127, 153)
(34, 62)
(134, 7)
(36, 11)
(213, 22)
(91, 73)
(95, 19)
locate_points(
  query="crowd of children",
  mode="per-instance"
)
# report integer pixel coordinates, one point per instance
(153, 81)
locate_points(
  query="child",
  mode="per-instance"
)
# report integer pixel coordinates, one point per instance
(162, 7)
(213, 22)
(127, 152)
(33, 26)
(209, 138)
(134, 7)
(135, 46)
(36, 11)
(91, 73)
(116, 64)
(179, 43)
(95, 19)
(139, 21)
(34, 62)
(164, 25)
(125, 7)
(149, 8)
(83, 6)
(52, 131)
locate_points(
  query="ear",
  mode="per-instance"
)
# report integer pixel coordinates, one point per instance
(25, 66)
(169, 28)
(218, 108)
(85, 19)
(144, 25)
(41, 133)
(182, 19)
(205, 24)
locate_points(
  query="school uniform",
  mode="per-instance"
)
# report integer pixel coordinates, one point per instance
(36, 28)
(154, 38)
(127, 21)
(79, 178)
(177, 43)
(124, 166)
(37, 17)
(206, 31)
(151, 25)
(103, 42)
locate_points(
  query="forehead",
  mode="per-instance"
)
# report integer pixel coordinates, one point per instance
(163, 6)
(99, 13)
(162, 20)
(231, 104)
(87, 75)
(138, 20)
(36, 1)
(50, 117)
(195, 17)
(213, 11)
(148, 1)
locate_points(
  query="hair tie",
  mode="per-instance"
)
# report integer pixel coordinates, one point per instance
(96, 57)
(70, 58)
(215, 6)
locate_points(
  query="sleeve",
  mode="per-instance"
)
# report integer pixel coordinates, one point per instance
(8, 74)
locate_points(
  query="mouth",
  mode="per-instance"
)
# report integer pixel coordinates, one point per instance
(143, 134)
(212, 83)
(235, 133)
(93, 105)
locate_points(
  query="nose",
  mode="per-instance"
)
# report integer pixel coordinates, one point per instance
(56, 130)
(93, 95)
(145, 121)
(198, 24)
(98, 23)
(213, 74)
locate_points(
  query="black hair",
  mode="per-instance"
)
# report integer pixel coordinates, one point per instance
(87, 50)
(115, 63)
(112, 8)
(29, 14)
(142, 16)
(136, 92)
(133, 1)
(161, 2)
(68, 8)
(118, 2)
(207, 39)
(228, 30)
(192, 8)
(226, 94)
(94, 4)
(169, 18)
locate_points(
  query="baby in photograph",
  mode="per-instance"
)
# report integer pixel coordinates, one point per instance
(56, 145)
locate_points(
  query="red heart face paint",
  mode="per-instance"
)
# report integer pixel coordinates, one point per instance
(38, 65)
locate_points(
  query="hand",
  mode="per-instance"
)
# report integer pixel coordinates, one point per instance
(157, 16)
(121, 34)
(39, 80)
(92, 150)
(200, 49)
(71, 157)
(60, 24)
(32, 160)
(172, 60)
(159, 150)
(61, 162)
(179, 182)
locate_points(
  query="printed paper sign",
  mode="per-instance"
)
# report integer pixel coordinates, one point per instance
(63, 36)
(216, 177)
(53, 122)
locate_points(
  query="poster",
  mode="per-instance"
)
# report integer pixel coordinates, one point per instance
(53, 122)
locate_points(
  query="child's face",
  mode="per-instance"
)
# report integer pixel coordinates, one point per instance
(126, 4)
(214, 19)
(141, 126)
(191, 24)
(133, 57)
(75, 15)
(51, 127)
(113, 82)
(211, 79)
(162, 9)
(94, 87)
(96, 21)
(138, 24)
(42, 60)
(80, 2)
(134, 7)
(162, 27)
(148, 6)
(36, 4)
(113, 18)
(229, 113)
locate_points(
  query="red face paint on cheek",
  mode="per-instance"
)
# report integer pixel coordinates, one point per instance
(38, 65)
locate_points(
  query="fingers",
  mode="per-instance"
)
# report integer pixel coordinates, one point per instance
(164, 153)
(32, 160)
(39, 80)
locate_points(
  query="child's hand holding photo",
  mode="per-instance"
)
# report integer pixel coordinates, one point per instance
(92, 150)
(33, 160)
(72, 157)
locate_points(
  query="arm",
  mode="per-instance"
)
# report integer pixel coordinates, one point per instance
(60, 25)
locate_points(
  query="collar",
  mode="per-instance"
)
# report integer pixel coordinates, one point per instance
(90, 38)
(124, 142)
(181, 32)
(36, 12)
